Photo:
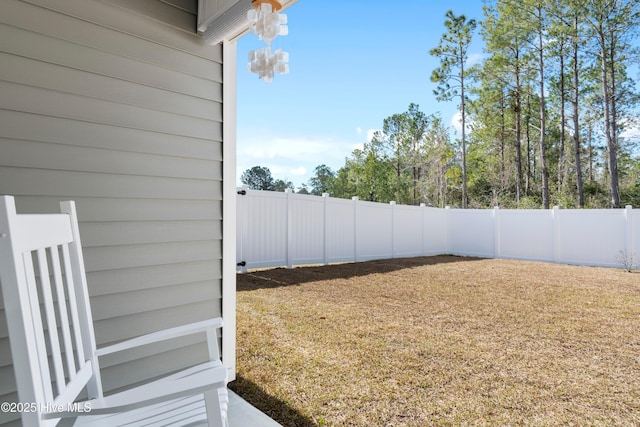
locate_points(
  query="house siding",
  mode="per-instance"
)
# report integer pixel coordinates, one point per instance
(122, 114)
(181, 14)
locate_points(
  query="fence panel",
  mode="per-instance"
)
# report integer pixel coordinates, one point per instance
(306, 228)
(264, 229)
(591, 236)
(374, 231)
(407, 231)
(471, 232)
(435, 231)
(525, 234)
(283, 229)
(340, 238)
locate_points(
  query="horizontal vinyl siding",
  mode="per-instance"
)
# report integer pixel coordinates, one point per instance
(123, 115)
(47, 102)
(163, 362)
(85, 184)
(110, 29)
(34, 127)
(56, 51)
(128, 209)
(181, 14)
(142, 278)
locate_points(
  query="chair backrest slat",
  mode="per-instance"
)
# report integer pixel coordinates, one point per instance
(64, 316)
(73, 303)
(94, 387)
(39, 347)
(50, 315)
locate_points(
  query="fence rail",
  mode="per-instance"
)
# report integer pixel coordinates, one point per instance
(287, 229)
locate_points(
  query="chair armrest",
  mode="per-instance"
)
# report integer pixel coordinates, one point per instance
(194, 380)
(167, 334)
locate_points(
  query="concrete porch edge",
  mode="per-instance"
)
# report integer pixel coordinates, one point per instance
(242, 414)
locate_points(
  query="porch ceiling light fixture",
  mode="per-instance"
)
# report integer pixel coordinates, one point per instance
(266, 21)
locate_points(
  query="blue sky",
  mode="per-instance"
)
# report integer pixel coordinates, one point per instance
(352, 64)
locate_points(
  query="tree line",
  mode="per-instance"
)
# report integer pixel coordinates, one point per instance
(542, 115)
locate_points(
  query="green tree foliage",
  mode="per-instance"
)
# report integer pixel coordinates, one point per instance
(411, 161)
(258, 178)
(566, 52)
(507, 70)
(343, 186)
(630, 194)
(613, 25)
(322, 180)
(371, 172)
(404, 136)
(452, 50)
(545, 115)
(282, 184)
(551, 95)
(441, 173)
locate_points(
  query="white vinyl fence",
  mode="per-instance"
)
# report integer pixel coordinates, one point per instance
(285, 229)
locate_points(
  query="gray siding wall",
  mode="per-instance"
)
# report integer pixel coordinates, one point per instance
(181, 14)
(124, 115)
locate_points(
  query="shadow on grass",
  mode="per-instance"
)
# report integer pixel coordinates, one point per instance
(275, 408)
(277, 277)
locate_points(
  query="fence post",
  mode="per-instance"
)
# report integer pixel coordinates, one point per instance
(289, 228)
(496, 232)
(241, 228)
(355, 228)
(447, 213)
(325, 229)
(630, 235)
(423, 210)
(393, 226)
(555, 215)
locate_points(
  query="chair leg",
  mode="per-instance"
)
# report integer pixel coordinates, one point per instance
(217, 404)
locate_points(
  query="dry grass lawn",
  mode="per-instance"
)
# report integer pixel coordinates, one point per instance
(441, 341)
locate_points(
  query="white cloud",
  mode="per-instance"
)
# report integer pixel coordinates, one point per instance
(359, 130)
(631, 133)
(299, 171)
(276, 170)
(292, 158)
(371, 133)
(474, 58)
(632, 130)
(456, 123)
(294, 148)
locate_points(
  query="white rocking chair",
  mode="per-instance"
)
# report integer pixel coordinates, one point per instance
(54, 353)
